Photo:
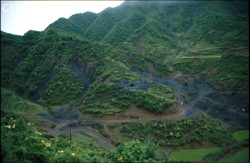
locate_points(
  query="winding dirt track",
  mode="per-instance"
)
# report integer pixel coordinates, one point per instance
(185, 110)
(79, 125)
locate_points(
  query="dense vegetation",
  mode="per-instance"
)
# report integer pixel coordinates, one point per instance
(26, 140)
(192, 154)
(177, 133)
(227, 73)
(94, 62)
(21, 142)
(97, 99)
(146, 37)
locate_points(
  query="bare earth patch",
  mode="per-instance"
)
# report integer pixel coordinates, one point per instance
(133, 112)
(212, 72)
(175, 74)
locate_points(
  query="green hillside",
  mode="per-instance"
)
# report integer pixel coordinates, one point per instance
(58, 65)
(76, 24)
(121, 31)
(221, 24)
(146, 81)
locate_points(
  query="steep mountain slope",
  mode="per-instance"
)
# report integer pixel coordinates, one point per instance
(220, 24)
(175, 74)
(61, 70)
(104, 22)
(124, 28)
(50, 64)
(154, 33)
(62, 63)
(76, 24)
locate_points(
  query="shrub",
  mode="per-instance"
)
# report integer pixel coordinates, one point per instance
(134, 151)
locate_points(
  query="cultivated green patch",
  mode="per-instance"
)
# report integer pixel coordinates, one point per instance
(240, 156)
(191, 154)
(227, 151)
(241, 135)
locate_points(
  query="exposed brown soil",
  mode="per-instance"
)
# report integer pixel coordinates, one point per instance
(212, 72)
(46, 126)
(113, 133)
(112, 124)
(133, 112)
(175, 74)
